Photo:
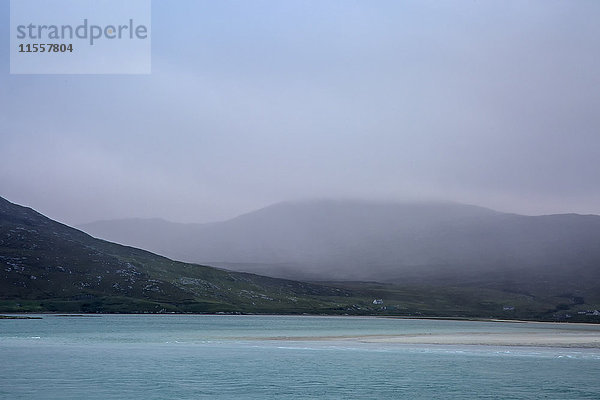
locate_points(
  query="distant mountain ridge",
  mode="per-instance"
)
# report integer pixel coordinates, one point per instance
(353, 240)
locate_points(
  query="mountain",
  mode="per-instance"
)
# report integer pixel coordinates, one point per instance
(48, 266)
(385, 242)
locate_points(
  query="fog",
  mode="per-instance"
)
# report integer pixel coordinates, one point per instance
(397, 242)
(252, 103)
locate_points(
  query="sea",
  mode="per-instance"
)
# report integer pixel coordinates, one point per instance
(150, 357)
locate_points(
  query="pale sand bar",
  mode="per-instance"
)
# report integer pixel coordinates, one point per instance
(533, 339)
(545, 339)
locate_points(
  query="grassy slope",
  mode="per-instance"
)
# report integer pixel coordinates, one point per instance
(45, 265)
(471, 302)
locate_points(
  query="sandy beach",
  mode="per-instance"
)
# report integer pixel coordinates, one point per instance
(576, 338)
(559, 339)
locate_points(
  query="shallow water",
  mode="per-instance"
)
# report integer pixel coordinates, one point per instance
(234, 357)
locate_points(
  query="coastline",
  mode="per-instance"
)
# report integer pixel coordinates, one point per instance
(37, 315)
(501, 320)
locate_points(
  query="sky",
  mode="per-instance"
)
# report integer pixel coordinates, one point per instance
(254, 102)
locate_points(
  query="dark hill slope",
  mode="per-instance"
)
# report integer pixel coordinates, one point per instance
(45, 265)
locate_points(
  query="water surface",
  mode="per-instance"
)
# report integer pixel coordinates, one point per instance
(235, 357)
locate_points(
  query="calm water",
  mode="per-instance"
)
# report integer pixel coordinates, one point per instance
(234, 357)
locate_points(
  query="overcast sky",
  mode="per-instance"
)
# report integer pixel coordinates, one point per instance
(254, 102)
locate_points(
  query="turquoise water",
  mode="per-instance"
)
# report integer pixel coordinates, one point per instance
(235, 357)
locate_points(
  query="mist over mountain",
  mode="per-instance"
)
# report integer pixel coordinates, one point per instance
(386, 242)
(48, 266)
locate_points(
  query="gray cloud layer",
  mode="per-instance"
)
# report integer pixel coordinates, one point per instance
(254, 102)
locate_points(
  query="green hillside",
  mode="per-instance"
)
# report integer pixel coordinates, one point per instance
(47, 266)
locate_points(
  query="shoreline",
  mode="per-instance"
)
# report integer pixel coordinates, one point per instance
(501, 320)
(32, 315)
